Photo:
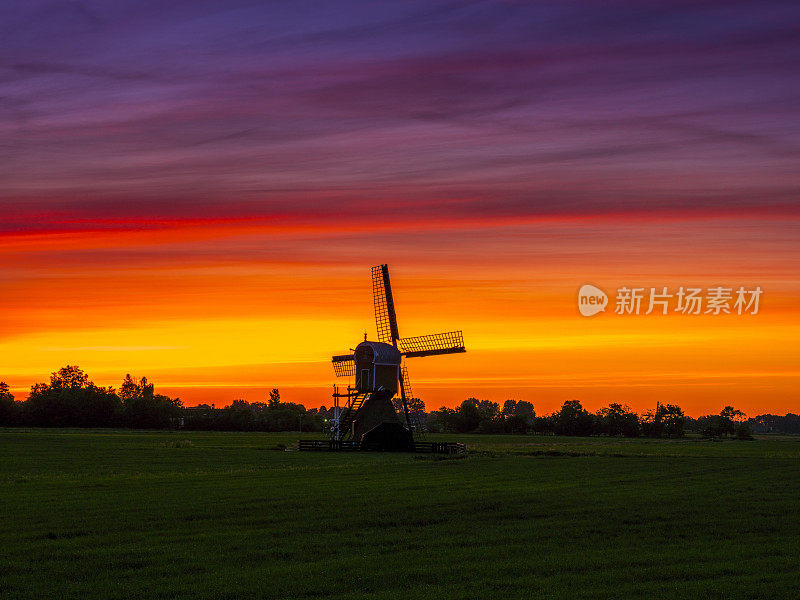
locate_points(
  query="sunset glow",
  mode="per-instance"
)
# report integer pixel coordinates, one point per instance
(203, 208)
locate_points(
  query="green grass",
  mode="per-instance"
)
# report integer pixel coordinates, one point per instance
(118, 514)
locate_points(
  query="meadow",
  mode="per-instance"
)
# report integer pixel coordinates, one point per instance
(126, 514)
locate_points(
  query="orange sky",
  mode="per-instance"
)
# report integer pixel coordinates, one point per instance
(218, 312)
(196, 192)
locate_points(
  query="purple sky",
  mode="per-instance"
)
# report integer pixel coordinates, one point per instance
(112, 112)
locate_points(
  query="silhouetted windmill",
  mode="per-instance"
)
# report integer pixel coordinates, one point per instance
(380, 372)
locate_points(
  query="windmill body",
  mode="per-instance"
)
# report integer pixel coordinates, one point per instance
(378, 373)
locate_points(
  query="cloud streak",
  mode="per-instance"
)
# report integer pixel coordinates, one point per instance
(228, 100)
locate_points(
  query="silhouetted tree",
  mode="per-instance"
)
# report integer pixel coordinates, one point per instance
(474, 415)
(130, 389)
(8, 408)
(442, 420)
(573, 419)
(667, 420)
(616, 419)
(789, 423)
(674, 420)
(71, 400)
(142, 408)
(70, 377)
(258, 407)
(468, 417)
(518, 417)
(509, 408)
(241, 415)
(490, 419)
(734, 414)
(723, 424)
(545, 425)
(416, 409)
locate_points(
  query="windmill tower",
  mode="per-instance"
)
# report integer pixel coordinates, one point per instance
(379, 372)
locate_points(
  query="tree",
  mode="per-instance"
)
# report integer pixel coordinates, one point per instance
(240, 416)
(471, 415)
(789, 423)
(8, 408)
(467, 417)
(667, 420)
(490, 419)
(573, 419)
(516, 423)
(519, 416)
(673, 419)
(509, 408)
(734, 414)
(732, 418)
(274, 398)
(442, 420)
(71, 400)
(526, 409)
(130, 389)
(546, 424)
(142, 408)
(723, 424)
(70, 377)
(258, 407)
(617, 419)
(416, 409)
(651, 423)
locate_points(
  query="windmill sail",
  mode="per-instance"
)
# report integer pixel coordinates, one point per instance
(385, 316)
(412, 418)
(450, 342)
(344, 365)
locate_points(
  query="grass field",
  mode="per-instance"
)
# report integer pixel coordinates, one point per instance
(120, 514)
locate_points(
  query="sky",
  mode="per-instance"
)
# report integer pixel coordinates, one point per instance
(195, 192)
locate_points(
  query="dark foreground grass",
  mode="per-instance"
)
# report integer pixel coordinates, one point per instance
(111, 514)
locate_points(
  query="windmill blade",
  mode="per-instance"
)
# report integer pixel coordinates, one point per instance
(405, 392)
(344, 365)
(406, 396)
(450, 342)
(385, 317)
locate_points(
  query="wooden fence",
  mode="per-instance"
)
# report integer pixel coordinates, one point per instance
(349, 446)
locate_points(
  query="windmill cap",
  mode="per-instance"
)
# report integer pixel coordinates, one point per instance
(377, 353)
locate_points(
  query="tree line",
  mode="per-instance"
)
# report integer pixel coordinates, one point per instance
(484, 416)
(70, 399)
(666, 420)
(240, 415)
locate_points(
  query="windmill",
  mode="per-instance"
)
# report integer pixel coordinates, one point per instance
(379, 371)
